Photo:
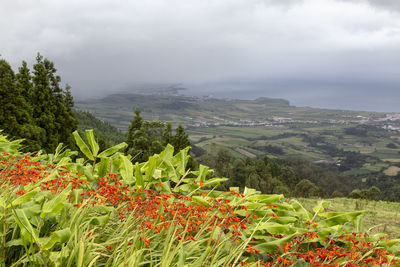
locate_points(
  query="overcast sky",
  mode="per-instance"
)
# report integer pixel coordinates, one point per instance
(325, 53)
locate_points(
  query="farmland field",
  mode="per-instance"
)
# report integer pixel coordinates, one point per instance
(357, 143)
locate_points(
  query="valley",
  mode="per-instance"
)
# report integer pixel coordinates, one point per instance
(358, 143)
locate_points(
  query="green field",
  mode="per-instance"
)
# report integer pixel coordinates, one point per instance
(255, 128)
(380, 217)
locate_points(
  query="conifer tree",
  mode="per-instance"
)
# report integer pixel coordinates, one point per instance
(15, 115)
(52, 106)
(168, 134)
(180, 139)
(136, 124)
(24, 80)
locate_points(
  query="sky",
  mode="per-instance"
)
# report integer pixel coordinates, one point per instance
(321, 53)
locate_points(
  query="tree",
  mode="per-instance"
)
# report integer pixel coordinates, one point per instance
(168, 134)
(337, 194)
(305, 188)
(144, 137)
(181, 139)
(15, 115)
(373, 193)
(52, 106)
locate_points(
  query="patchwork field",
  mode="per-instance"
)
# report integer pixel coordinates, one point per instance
(355, 141)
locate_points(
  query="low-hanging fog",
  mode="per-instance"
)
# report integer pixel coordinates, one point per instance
(322, 53)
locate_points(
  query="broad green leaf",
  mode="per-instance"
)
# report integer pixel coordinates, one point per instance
(126, 168)
(272, 245)
(103, 166)
(108, 152)
(82, 146)
(339, 218)
(60, 236)
(322, 204)
(92, 142)
(167, 154)
(249, 191)
(215, 181)
(25, 225)
(180, 160)
(286, 220)
(55, 205)
(63, 161)
(151, 167)
(201, 200)
(276, 228)
(25, 198)
(15, 242)
(100, 220)
(301, 211)
(202, 173)
(265, 199)
(139, 176)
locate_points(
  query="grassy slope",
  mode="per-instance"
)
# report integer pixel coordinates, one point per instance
(381, 217)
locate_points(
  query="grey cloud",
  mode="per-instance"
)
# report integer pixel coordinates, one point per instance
(102, 46)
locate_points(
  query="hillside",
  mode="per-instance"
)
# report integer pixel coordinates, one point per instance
(358, 143)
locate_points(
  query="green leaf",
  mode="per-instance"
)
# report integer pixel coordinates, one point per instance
(82, 146)
(16, 242)
(102, 167)
(335, 218)
(25, 198)
(202, 173)
(301, 211)
(322, 204)
(60, 236)
(167, 154)
(215, 181)
(138, 176)
(249, 191)
(100, 220)
(25, 225)
(55, 205)
(272, 245)
(151, 167)
(201, 200)
(108, 152)
(276, 228)
(92, 142)
(180, 160)
(126, 168)
(265, 199)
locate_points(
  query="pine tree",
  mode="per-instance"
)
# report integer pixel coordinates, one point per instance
(24, 80)
(136, 124)
(168, 134)
(52, 106)
(15, 115)
(180, 139)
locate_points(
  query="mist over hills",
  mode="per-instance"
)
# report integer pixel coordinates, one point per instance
(361, 98)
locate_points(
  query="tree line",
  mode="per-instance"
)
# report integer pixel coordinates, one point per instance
(34, 106)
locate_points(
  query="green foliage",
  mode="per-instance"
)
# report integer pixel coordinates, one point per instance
(62, 228)
(35, 107)
(15, 109)
(264, 174)
(146, 138)
(106, 134)
(373, 193)
(305, 188)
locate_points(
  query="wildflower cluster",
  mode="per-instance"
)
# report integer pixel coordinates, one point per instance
(348, 250)
(231, 215)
